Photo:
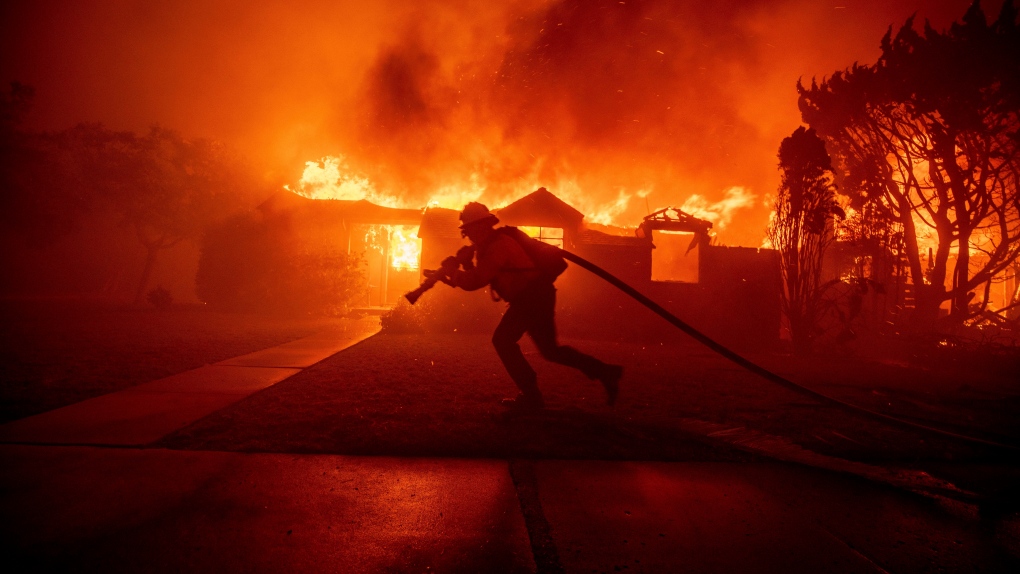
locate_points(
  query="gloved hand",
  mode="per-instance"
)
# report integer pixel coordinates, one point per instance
(465, 255)
(450, 264)
(439, 275)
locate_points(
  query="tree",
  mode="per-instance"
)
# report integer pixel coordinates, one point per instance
(929, 136)
(801, 229)
(164, 187)
(36, 178)
(254, 265)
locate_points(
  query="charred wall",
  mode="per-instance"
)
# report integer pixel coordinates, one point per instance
(736, 301)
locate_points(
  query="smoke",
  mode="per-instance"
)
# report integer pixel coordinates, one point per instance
(614, 106)
(618, 107)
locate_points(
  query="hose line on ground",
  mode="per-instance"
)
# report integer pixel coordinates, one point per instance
(758, 369)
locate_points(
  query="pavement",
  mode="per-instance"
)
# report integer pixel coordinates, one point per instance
(144, 413)
(82, 490)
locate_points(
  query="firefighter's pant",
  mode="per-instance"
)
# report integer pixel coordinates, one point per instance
(533, 312)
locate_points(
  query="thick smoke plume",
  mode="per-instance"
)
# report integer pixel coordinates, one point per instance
(619, 107)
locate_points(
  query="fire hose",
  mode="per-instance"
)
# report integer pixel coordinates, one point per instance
(432, 277)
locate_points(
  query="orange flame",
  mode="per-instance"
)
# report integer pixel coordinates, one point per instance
(332, 178)
(405, 247)
(721, 212)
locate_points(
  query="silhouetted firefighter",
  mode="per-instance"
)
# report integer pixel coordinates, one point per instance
(520, 270)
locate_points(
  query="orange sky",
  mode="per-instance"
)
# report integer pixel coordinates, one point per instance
(636, 105)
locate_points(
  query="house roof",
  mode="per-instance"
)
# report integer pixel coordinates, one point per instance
(540, 208)
(593, 237)
(673, 219)
(342, 211)
(440, 223)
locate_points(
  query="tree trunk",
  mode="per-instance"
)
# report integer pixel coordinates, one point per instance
(961, 301)
(150, 262)
(927, 300)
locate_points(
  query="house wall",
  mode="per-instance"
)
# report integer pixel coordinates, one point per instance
(735, 302)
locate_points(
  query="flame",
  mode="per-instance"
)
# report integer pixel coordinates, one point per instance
(332, 178)
(457, 196)
(405, 247)
(603, 213)
(721, 212)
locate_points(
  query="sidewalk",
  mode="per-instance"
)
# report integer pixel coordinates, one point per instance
(69, 502)
(144, 413)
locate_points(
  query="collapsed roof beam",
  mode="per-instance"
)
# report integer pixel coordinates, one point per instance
(672, 219)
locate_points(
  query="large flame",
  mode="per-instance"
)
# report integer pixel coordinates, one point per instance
(720, 213)
(332, 178)
(405, 247)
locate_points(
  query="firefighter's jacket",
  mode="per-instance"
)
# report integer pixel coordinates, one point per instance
(501, 263)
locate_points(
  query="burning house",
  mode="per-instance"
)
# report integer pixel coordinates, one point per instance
(731, 293)
(384, 236)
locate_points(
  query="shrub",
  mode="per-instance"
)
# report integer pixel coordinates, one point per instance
(406, 318)
(160, 298)
(252, 266)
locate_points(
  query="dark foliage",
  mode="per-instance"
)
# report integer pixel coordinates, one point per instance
(249, 265)
(929, 139)
(77, 204)
(801, 229)
(406, 318)
(160, 298)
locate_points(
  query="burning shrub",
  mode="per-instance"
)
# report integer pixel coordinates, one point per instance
(406, 318)
(251, 266)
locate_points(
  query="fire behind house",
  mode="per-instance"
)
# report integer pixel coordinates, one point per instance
(731, 293)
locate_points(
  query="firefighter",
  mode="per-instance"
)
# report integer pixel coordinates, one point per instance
(498, 260)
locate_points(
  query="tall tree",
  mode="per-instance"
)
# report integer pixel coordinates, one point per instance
(930, 136)
(164, 187)
(801, 229)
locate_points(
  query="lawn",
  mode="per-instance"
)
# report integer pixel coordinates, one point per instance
(58, 352)
(437, 395)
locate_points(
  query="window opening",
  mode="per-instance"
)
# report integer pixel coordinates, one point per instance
(550, 235)
(671, 260)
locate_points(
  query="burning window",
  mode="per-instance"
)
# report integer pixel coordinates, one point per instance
(550, 235)
(405, 247)
(392, 255)
(675, 257)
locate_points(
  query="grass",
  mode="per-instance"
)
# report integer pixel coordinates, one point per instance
(60, 352)
(437, 395)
